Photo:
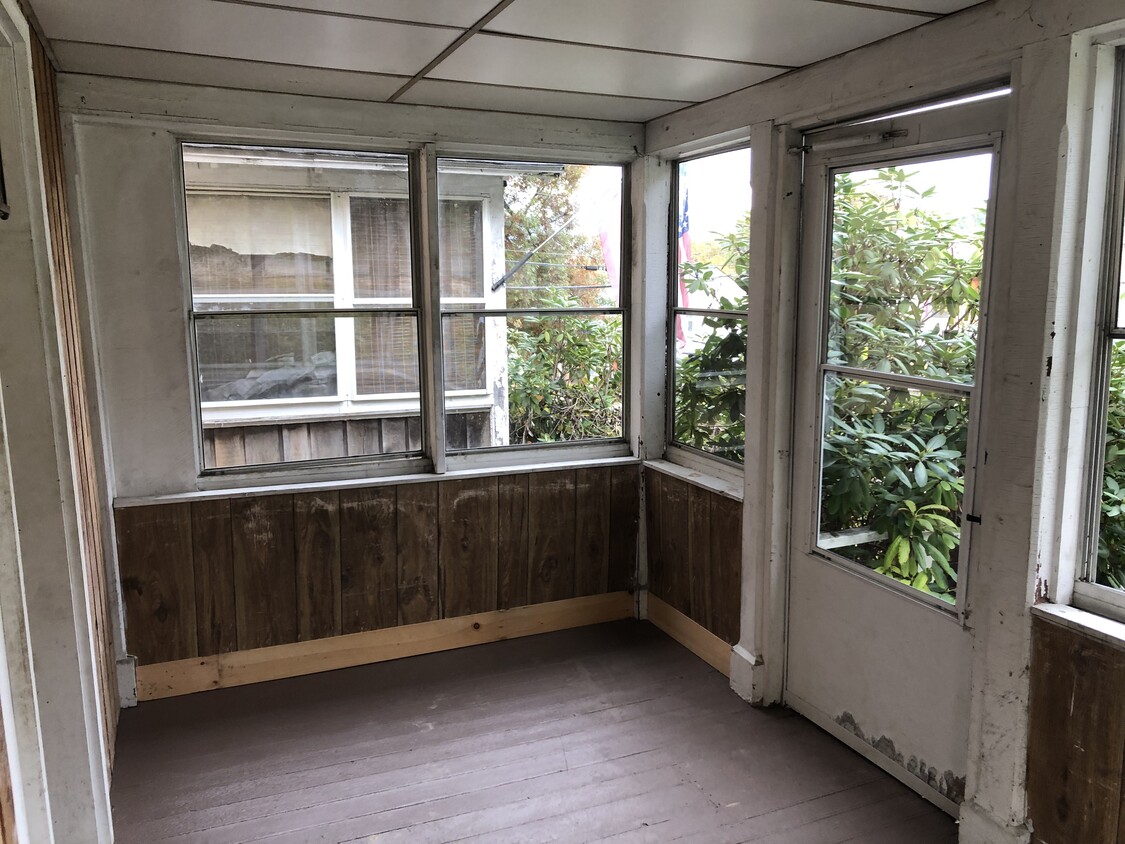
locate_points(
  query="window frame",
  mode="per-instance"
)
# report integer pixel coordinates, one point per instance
(689, 456)
(1087, 593)
(433, 402)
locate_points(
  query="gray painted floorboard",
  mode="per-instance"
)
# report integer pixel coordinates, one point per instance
(611, 733)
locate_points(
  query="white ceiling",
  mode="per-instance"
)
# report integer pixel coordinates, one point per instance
(605, 59)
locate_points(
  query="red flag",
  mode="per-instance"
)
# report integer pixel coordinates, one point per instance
(684, 240)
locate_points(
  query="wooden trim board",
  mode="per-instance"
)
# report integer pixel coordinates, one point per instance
(185, 676)
(696, 638)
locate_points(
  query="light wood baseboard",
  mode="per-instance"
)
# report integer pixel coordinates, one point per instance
(693, 636)
(185, 676)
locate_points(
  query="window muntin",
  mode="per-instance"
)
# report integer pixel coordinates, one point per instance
(905, 268)
(707, 318)
(548, 356)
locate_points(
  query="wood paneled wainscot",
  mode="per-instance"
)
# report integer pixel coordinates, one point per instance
(1075, 782)
(694, 564)
(224, 591)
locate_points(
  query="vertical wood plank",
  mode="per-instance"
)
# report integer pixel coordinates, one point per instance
(295, 443)
(230, 448)
(512, 537)
(212, 543)
(413, 433)
(394, 436)
(674, 535)
(1075, 762)
(365, 436)
(368, 558)
(591, 530)
(654, 534)
(418, 592)
(551, 524)
(467, 546)
(209, 448)
(726, 567)
(316, 517)
(265, 585)
(326, 440)
(158, 581)
(262, 444)
(699, 555)
(625, 516)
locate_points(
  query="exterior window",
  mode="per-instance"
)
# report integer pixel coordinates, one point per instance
(906, 262)
(1102, 581)
(306, 308)
(534, 334)
(707, 325)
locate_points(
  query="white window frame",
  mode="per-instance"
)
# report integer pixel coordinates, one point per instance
(1107, 165)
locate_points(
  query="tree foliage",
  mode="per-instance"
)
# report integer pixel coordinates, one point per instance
(565, 373)
(1111, 536)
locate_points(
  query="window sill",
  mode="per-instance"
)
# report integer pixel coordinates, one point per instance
(1088, 624)
(282, 488)
(728, 487)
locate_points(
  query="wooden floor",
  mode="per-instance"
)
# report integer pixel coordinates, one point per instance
(609, 733)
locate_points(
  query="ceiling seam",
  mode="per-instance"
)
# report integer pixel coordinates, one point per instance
(452, 48)
(495, 33)
(876, 7)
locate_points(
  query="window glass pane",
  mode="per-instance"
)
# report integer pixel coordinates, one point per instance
(1111, 535)
(546, 378)
(386, 354)
(709, 384)
(713, 231)
(260, 245)
(892, 466)
(525, 235)
(251, 358)
(907, 246)
(381, 247)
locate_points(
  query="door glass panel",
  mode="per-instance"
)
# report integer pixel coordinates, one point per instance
(907, 256)
(892, 480)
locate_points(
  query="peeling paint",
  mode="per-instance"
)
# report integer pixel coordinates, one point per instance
(946, 784)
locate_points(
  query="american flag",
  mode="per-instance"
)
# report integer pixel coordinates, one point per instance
(684, 240)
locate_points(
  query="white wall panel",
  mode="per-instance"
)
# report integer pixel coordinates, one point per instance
(132, 63)
(462, 13)
(533, 101)
(518, 61)
(792, 33)
(249, 32)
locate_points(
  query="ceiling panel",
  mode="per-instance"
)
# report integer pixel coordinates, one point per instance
(132, 63)
(247, 32)
(521, 62)
(941, 7)
(792, 33)
(528, 101)
(462, 13)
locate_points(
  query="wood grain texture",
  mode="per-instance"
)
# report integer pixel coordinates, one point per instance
(368, 558)
(419, 594)
(624, 523)
(316, 517)
(91, 499)
(213, 553)
(726, 567)
(278, 569)
(1076, 716)
(591, 530)
(699, 553)
(551, 525)
(692, 635)
(680, 568)
(158, 579)
(467, 521)
(657, 565)
(513, 541)
(264, 570)
(609, 733)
